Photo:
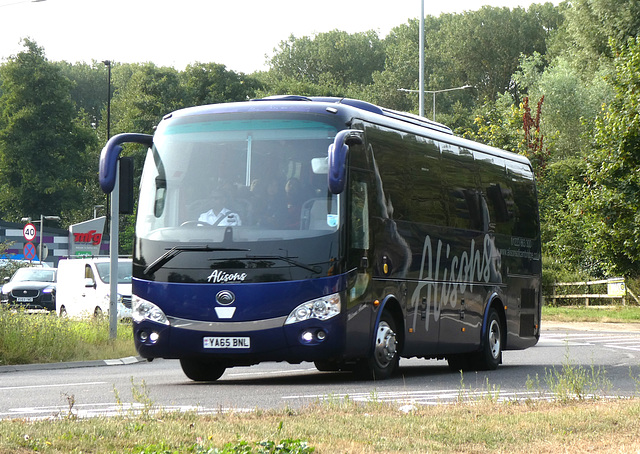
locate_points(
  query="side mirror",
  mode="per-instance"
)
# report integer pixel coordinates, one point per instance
(89, 283)
(338, 152)
(110, 155)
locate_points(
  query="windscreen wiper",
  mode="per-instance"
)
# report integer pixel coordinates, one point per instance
(289, 260)
(174, 251)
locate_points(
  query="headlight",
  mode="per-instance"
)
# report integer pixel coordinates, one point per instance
(48, 290)
(107, 299)
(142, 309)
(322, 309)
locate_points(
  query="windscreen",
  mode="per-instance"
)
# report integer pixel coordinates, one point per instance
(263, 175)
(124, 272)
(34, 274)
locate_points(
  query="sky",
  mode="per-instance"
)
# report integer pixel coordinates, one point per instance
(240, 34)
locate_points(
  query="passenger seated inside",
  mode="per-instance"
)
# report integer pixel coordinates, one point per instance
(294, 198)
(218, 215)
(268, 203)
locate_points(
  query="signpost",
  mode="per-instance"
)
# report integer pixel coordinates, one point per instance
(29, 233)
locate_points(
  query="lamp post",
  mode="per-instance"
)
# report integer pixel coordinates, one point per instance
(434, 94)
(107, 63)
(113, 229)
(95, 210)
(41, 221)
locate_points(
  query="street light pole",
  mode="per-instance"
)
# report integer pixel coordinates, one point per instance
(42, 218)
(421, 65)
(434, 94)
(113, 229)
(107, 63)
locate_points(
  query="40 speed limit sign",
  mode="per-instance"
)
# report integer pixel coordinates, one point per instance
(29, 232)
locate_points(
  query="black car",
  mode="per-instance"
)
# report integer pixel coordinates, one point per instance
(31, 288)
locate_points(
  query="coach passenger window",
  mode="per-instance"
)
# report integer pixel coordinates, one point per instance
(459, 177)
(359, 215)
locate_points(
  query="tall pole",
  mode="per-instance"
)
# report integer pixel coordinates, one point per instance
(421, 75)
(41, 238)
(113, 230)
(108, 65)
(113, 258)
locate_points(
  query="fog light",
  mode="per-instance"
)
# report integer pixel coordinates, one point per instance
(307, 336)
(321, 335)
(143, 336)
(153, 337)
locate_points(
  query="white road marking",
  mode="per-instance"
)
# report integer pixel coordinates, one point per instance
(60, 385)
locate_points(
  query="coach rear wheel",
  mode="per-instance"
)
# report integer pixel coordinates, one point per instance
(200, 370)
(491, 354)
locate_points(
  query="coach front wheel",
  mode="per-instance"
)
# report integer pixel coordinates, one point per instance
(384, 359)
(201, 370)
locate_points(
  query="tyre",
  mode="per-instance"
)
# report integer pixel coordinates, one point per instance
(458, 363)
(491, 354)
(201, 370)
(385, 358)
(329, 366)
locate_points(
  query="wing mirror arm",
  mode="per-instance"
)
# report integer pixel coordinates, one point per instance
(338, 153)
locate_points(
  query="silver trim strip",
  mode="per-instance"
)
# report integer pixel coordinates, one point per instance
(226, 327)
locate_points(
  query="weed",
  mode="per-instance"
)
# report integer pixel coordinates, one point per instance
(576, 382)
(140, 395)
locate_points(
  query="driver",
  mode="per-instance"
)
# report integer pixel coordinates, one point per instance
(218, 214)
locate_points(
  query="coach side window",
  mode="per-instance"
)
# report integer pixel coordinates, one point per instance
(359, 214)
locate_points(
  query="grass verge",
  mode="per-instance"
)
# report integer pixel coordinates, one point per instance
(483, 426)
(46, 338)
(599, 314)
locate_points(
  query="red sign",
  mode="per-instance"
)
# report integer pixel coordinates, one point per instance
(29, 251)
(88, 237)
(29, 232)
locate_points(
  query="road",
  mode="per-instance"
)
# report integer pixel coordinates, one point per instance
(40, 393)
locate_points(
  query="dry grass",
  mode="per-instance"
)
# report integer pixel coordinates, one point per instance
(484, 426)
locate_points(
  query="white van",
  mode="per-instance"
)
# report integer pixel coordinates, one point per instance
(83, 287)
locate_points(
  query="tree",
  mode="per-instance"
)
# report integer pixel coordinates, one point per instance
(45, 149)
(209, 83)
(89, 87)
(482, 48)
(588, 27)
(610, 197)
(335, 57)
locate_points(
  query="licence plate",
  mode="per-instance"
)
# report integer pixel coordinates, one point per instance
(24, 299)
(227, 342)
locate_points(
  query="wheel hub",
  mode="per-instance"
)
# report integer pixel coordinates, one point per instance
(386, 343)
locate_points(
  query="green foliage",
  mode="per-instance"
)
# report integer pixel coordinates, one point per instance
(609, 199)
(52, 115)
(483, 47)
(332, 58)
(499, 124)
(45, 147)
(45, 338)
(577, 382)
(264, 447)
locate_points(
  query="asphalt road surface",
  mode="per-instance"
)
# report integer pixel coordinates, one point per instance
(608, 355)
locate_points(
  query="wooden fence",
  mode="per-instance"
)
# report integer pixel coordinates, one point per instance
(616, 290)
